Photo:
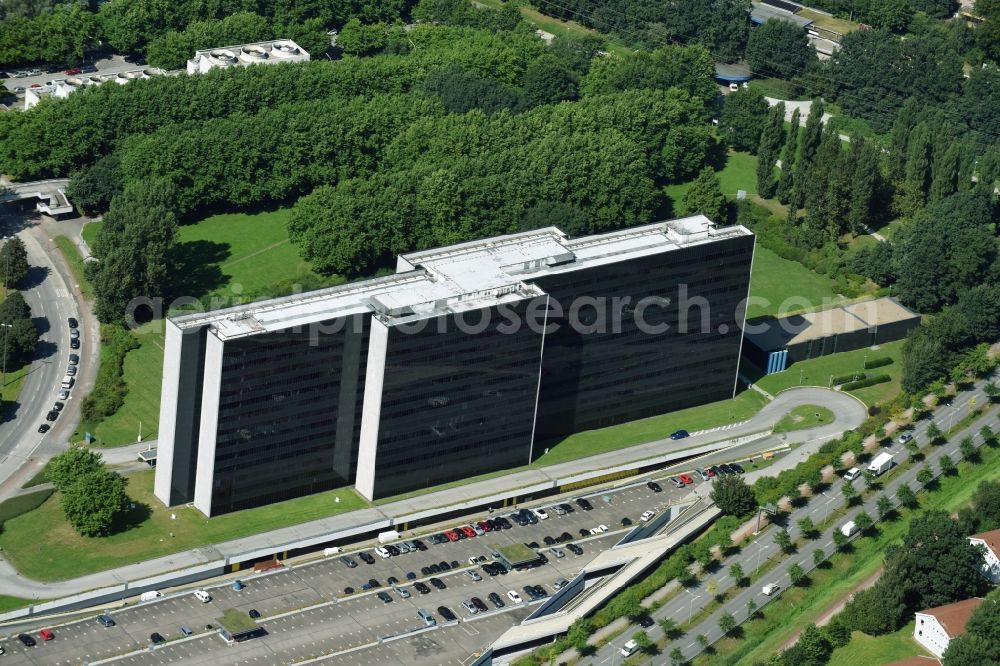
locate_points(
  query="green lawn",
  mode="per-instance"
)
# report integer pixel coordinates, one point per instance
(804, 416)
(141, 411)
(777, 88)
(798, 607)
(740, 173)
(72, 257)
(785, 286)
(592, 442)
(556, 26)
(843, 26)
(43, 546)
(878, 650)
(818, 371)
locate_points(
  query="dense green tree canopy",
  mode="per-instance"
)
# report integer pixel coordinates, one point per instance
(13, 261)
(779, 48)
(743, 119)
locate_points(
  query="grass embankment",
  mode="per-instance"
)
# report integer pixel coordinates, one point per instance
(804, 416)
(219, 260)
(780, 286)
(821, 20)
(557, 27)
(875, 650)
(819, 371)
(797, 607)
(43, 546)
(71, 255)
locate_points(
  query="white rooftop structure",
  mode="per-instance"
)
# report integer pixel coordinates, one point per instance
(462, 277)
(63, 88)
(260, 53)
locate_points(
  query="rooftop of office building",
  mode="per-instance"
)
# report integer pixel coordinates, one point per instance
(462, 277)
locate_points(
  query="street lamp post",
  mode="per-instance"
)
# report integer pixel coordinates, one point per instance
(691, 604)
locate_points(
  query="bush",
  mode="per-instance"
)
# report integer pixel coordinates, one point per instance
(878, 362)
(22, 504)
(109, 390)
(868, 381)
(845, 379)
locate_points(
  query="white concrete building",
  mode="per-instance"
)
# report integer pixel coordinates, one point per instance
(991, 559)
(935, 627)
(243, 55)
(63, 88)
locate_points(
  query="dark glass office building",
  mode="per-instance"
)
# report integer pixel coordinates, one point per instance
(396, 384)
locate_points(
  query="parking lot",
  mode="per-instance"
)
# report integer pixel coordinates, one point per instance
(306, 611)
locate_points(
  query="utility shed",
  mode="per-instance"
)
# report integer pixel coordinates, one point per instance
(772, 343)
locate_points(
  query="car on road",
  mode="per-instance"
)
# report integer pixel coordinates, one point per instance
(584, 504)
(654, 486)
(575, 549)
(685, 479)
(26, 640)
(446, 613)
(349, 562)
(852, 474)
(384, 596)
(254, 613)
(677, 483)
(646, 515)
(770, 588)
(46, 634)
(202, 596)
(645, 621)
(540, 513)
(905, 437)
(421, 587)
(514, 597)
(44, 428)
(402, 592)
(495, 600)
(106, 620)
(438, 583)
(155, 638)
(629, 648)
(679, 434)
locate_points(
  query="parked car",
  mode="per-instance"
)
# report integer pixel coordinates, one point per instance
(549, 540)
(366, 557)
(446, 613)
(254, 613)
(540, 513)
(63, 394)
(646, 515)
(26, 640)
(52, 415)
(654, 486)
(349, 562)
(495, 600)
(626, 521)
(905, 437)
(452, 535)
(348, 590)
(677, 483)
(479, 604)
(46, 634)
(738, 468)
(383, 552)
(567, 508)
(560, 583)
(474, 575)
(686, 479)
(421, 587)
(106, 620)
(575, 549)
(558, 552)
(558, 510)
(74, 343)
(58, 406)
(384, 596)
(468, 531)
(44, 428)
(679, 434)
(202, 596)
(402, 592)
(187, 631)
(470, 607)
(514, 597)
(73, 71)
(73, 323)
(155, 638)
(584, 504)
(74, 334)
(629, 648)
(438, 583)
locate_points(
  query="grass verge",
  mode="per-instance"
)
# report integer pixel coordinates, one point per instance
(818, 372)
(71, 255)
(43, 546)
(804, 416)
(592, 442)
(865, 649)
(740, 173)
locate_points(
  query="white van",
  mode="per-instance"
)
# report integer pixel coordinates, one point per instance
(202, 596)
(849, 528)
(852, 474)
(67, 382)
(770, 588)
(629, 649)
(149, 596)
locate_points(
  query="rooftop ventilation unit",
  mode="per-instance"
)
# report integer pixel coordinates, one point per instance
(223, 57)
(74, 81)
(254, 53)
(283, 49)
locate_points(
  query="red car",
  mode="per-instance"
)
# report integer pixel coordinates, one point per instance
(485, 526)
(452, 536)
(468, 531)
(73, 71)
(46, 634)
(685, 479)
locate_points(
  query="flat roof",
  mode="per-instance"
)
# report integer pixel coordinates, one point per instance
(763, 13)
(462, 277)
(516, 553)
(770, 333)
(734, 72)
(236, 622)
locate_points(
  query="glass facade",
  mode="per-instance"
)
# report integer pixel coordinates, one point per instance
(456, 404)
(289, 413)
(602, 369)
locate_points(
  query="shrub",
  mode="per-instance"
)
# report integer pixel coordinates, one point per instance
(868, 381)
(110, 389)
(21, 504)
(844, 379)
(878, 362)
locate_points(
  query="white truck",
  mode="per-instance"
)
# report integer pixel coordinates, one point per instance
(880, 464)
(388, 537)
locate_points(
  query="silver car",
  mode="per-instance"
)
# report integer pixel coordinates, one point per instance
(402, 592)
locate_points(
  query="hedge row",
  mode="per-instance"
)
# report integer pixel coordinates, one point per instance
(110, 389)
(21, 504)
(844, 379)
(878, 362)
(868, 381)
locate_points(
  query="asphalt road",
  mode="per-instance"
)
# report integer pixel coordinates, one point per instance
(307, 611)
(758, 554)
(51, 302)
(107, 65)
